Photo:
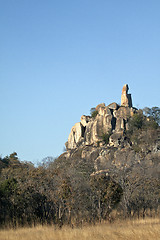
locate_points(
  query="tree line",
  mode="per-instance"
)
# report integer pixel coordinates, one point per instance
(69, 191)
(53, 195)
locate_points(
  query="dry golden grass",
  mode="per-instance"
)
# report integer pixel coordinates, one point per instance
(133, 230)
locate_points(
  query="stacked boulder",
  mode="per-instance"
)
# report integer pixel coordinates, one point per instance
(111, 119)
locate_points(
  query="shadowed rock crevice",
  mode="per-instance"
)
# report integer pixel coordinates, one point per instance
(113, 123)
(83, 131)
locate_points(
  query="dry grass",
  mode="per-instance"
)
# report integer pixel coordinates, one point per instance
(133, 230)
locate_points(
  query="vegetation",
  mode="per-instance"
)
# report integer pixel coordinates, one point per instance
(139, 121)
(93, 112)
(143, 229)
(153, 114)
(144, 129)
(68, 191)
(53, 194)
(106, 136)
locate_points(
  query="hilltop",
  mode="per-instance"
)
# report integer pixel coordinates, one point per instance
(121, 142)
(116, 136)
(110, 170)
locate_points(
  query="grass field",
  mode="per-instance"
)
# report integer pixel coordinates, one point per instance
(133, 230)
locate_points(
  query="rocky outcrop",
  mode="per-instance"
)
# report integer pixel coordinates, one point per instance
(99, 147)
(111, 119)
(126, 99)
(77, 134)
(107, 158)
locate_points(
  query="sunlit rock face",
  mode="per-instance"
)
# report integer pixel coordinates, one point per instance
(126, 99)
(111, 119)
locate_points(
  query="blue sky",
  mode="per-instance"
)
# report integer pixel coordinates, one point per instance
(59, 58)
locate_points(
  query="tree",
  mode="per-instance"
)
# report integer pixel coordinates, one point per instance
(106, 194)
(136, 121)
(152, 113)
(93, 112)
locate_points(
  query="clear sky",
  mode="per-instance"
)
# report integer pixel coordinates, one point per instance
(60, 58)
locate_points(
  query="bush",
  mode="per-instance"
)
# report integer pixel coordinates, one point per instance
(137, 121)
(93, 112)
(106, 136)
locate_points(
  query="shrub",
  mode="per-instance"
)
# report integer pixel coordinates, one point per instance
(136, 122)
(106, 136)
(93, 112)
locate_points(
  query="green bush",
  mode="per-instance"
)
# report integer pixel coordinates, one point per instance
(93, 112)
(106, 136)
(137, 121)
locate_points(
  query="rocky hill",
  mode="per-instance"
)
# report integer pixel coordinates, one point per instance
(121, 142)
(105, 137)
(111, 166)
(111, 119)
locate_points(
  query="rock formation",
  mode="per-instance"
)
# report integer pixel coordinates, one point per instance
(99, 147)
(126, 99)
(111, 119)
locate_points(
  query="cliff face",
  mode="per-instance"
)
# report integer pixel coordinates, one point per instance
(111, 121)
